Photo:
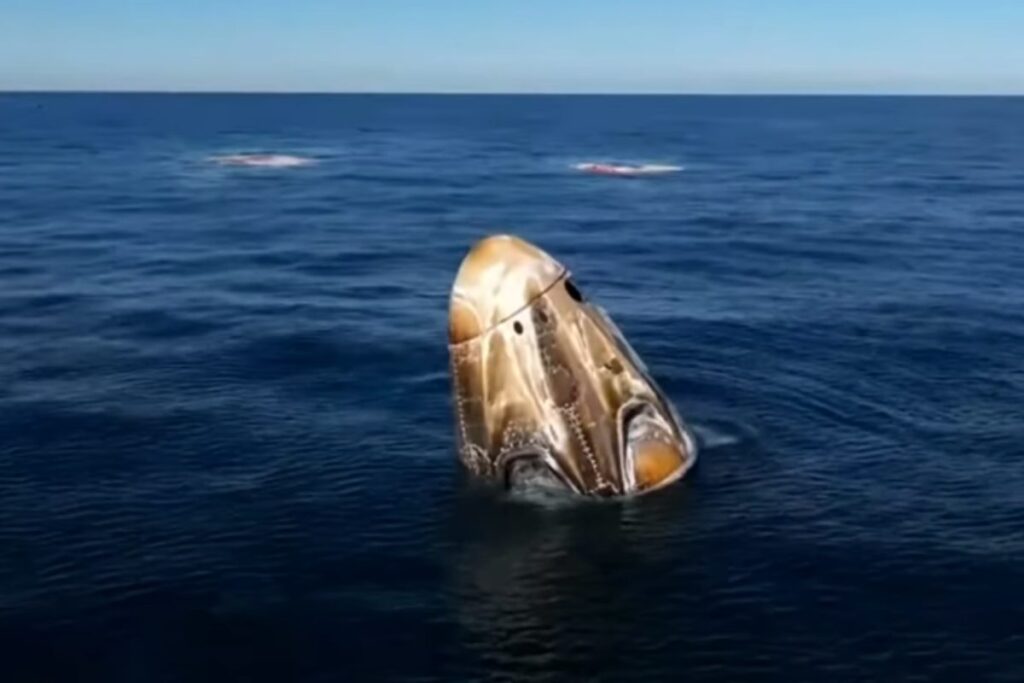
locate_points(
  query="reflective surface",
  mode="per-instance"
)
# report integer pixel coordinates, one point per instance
(547, 393)
(226, 445)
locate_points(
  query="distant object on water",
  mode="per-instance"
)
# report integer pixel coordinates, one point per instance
(263, 160)
(627, 169)
(548, 393)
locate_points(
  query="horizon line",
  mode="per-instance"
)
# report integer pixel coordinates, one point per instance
(523, 93)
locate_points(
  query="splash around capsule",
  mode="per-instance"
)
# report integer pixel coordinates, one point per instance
(631, 170)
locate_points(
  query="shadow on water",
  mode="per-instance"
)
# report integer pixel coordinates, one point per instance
(545, 590)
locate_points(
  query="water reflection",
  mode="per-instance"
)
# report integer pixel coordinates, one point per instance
(565, 588)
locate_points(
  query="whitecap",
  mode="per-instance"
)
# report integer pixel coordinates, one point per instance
(719, 434)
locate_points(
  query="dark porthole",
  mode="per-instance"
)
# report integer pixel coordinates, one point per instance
(570, 288)
(518, 327)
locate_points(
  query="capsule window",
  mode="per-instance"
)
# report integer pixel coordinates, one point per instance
(571, 290)
(518, 327)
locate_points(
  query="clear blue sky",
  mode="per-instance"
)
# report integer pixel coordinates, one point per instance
(904, 46)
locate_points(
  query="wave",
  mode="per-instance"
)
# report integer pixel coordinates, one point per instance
(719, 434)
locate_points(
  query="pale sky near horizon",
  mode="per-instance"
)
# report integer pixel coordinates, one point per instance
(714, 46)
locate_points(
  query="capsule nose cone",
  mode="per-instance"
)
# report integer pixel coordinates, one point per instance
(499, 276)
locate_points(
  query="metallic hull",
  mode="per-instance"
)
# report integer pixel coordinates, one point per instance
(547, 392)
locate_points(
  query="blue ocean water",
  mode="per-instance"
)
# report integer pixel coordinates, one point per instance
(226, 446)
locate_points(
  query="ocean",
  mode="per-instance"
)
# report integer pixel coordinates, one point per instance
(226, 436)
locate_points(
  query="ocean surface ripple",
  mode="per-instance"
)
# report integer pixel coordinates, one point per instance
(225, 432)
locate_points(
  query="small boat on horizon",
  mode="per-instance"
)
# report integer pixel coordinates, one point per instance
(627, 169)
